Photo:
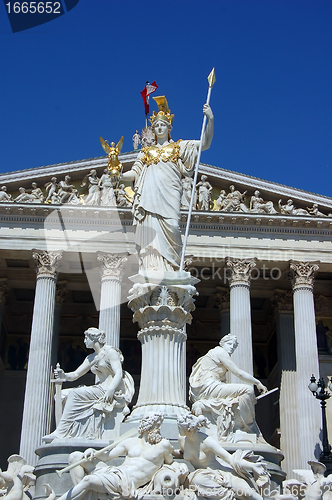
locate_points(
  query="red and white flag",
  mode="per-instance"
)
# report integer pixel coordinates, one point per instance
(148, 89)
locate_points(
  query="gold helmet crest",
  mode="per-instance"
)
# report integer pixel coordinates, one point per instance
(164, 112)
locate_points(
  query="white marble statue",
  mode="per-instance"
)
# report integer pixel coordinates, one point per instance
(67, 192)
(204, 193)
(144, 457)
(136, 140)
(315, 211)
(37, 193)
(17, 482)
(313, 484)
(187, 186)
(157, 176)
(220, 200)
(93, 196)
(259, 206)
(107, 192)
(87, 407)
(4, 196)
(24, 197)
(235, 201)
(148, 137)
(231, 406)
(289, 209)
(123, 200)
(51, 188)
(218, 474)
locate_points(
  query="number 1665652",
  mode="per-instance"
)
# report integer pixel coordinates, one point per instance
(33, 7)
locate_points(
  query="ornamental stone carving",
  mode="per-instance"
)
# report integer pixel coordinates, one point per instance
(222, 298)
(61, 292)
(4, 289)
(303, 274)
(283, 301)
(47, 262)
(240, 271)
(112, 265)
(323, 305)
(165, 307)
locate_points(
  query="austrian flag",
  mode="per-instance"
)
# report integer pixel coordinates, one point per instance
(148, 89)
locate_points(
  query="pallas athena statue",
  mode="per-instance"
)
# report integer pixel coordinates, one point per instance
(157, 175)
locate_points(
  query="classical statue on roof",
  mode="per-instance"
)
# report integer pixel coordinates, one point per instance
(114, 165)
(157, 174)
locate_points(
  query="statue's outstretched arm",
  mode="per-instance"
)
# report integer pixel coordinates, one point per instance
(246, 377)
(208, 134)
(71, 376)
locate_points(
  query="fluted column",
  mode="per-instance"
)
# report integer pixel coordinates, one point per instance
(288, 408)
(223, 303)
(162, 312)
(61, 292)
(38, 374)
(240, 311)
(309, 421)
(110, 295)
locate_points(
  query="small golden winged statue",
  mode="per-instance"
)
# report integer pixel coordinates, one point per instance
(112, 151)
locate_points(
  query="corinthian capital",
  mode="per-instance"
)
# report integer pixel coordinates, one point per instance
(112, 264)
(47, 263)
(303, 274)
(241, 270)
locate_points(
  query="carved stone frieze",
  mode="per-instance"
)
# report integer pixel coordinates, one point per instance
(222, 298)
(47, 263)
(283, 301)
(4, 289)
(61, 292)
(240, 271)
(303, 274)
(112, 264)
(323, 305)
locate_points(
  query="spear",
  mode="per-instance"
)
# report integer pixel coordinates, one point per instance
(211, 79)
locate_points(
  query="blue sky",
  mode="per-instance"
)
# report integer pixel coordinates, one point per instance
(69, 81)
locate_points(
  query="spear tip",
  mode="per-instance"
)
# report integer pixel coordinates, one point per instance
(211, 78)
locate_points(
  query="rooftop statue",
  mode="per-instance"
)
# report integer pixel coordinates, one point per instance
(231, 406)
(4, 196)
(157, 176)
(114, 165)
(259, 206)
(93, 197)
(204, 193)
(236, 475)
(87, 407)
(106, 186)
(234, 201)
(289, 209)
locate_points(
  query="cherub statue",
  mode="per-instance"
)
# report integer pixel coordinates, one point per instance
(204, 193)
(18, 480)
(315, 485)
(114, 165)
(4, 196)
(220, 200)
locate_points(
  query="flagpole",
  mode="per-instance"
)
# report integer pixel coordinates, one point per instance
(211, 79)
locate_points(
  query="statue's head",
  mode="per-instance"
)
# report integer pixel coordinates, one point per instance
(34, 185)
(191, 423)
(96, 335)
(203, 178)
(231, 188)
(150, 424)
(257, 193)
(163, 115)
(229, 340)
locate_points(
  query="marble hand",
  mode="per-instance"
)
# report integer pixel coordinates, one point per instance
(108, 395)
(59, 374)
(208, 111)
(262, 389)
(89, 454)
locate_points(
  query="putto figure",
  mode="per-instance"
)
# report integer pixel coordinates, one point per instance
(157, 176)
(87, 407)
(231, 406)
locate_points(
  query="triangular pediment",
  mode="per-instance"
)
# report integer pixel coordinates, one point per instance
(219, 179)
